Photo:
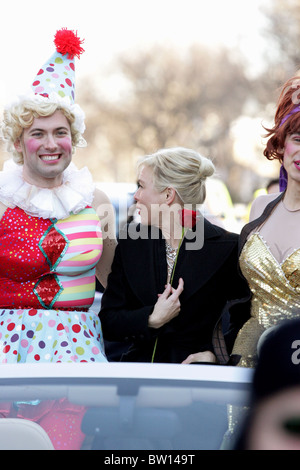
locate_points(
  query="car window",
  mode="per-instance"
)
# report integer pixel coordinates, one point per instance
(125, 413)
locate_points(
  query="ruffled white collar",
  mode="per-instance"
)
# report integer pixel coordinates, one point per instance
(75, 193)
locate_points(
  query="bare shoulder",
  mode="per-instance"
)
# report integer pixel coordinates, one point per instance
(106, 213)
(102, 204)
(100, 198)
(260, 203)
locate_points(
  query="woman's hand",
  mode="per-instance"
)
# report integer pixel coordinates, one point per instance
(167, 306)
(205, 356)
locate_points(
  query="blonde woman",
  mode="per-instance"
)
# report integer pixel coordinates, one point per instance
(170, 279)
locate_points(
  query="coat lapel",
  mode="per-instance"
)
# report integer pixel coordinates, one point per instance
(146, 267)
(196, 267)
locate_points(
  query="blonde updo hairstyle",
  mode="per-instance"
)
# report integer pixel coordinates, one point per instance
(183, 169)
(20, 116)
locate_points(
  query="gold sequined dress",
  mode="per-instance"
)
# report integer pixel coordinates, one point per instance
(275, 290)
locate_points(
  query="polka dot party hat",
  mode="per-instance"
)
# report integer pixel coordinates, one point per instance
(58, 74)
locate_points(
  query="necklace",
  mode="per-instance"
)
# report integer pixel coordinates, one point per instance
(289, 210)
(171, 255)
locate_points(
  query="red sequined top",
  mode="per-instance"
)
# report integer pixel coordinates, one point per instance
(47, 263)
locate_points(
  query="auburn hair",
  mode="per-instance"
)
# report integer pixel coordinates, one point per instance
(289, 98)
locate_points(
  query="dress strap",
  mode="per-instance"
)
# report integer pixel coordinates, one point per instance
(248, 228)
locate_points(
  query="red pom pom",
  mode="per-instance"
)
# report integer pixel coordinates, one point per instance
(67, 42)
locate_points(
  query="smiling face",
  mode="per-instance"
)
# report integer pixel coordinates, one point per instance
(291, 157)
(47, 150)
(148, 199)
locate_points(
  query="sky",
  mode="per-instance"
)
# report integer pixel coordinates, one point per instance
(113, 27)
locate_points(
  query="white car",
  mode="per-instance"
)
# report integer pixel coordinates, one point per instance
(126, 406)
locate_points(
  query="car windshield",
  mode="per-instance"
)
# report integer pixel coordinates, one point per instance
(125, 406)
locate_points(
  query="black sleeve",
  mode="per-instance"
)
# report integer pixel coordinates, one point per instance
(237, 309)
(122, 315)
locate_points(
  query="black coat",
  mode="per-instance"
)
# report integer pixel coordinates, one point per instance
(139, 274)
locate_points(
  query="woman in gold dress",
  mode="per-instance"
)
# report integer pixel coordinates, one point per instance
(270, 243)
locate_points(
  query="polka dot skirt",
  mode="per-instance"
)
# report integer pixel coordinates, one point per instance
(32, 335)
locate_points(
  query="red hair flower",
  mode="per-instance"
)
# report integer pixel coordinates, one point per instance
(188, 218)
